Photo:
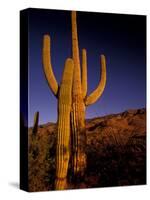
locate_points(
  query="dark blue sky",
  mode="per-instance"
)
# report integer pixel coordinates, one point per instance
(122, 38)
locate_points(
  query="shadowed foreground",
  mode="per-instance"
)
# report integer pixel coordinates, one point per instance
(116, 153)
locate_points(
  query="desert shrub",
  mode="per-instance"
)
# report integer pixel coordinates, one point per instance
(41, 161)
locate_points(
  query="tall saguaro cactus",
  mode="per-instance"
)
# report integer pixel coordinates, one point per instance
(64, 107)
(72, 101)
(63, 137)
(78, 107)
(80, 100)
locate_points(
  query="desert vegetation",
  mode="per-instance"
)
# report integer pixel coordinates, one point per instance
(116, 153)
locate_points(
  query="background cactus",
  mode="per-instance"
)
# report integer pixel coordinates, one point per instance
(80, 100)
(35, 125)
(78, 107)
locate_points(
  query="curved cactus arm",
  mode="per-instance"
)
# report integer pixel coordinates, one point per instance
(84, 73)
(35, 125)
(63, 135)
(48, 71)
(93, 97)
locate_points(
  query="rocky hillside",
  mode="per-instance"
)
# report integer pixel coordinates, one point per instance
(116, 152)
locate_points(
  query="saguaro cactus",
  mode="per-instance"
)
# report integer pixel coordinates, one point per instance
(64, 107)
(63, 138)
(35, 125)
(80, 100)
(73, 100)
(78, 106)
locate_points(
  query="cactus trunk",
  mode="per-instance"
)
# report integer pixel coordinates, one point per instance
(78, 109)
(63, 135)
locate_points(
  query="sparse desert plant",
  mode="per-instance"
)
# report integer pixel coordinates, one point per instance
(38, 164)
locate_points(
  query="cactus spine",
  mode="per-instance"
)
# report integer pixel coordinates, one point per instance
(80, 100)
(35, 125)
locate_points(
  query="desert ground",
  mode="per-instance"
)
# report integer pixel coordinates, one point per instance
(116, 152)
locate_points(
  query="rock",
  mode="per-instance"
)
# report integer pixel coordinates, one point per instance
(129, 112)
(141, 111)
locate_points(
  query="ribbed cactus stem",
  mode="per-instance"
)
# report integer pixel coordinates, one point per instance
(63, 136)
(35, 125)
(95, 95)
(48, 71)
(80, 100)
(78, 107)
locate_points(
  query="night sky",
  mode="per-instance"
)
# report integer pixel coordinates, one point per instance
(121, 38)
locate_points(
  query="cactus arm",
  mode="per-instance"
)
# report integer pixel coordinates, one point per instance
(35, 125)
(63, 135)
(48, 71)
(93, 97)
(84, 73)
